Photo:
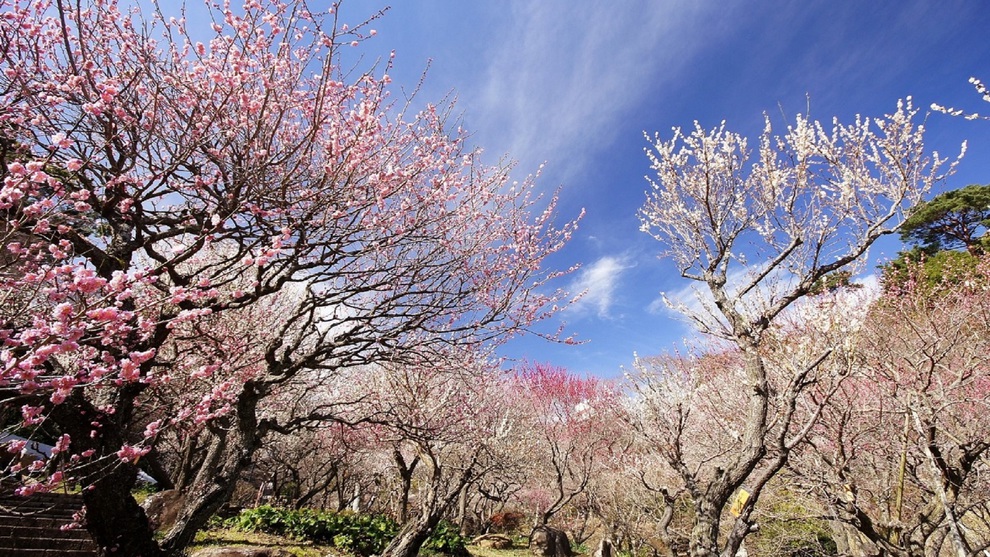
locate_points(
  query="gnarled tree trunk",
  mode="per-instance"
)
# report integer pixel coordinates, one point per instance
(229, 454)
(116, 522)
(412, 536)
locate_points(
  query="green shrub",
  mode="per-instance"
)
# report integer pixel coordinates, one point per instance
(360, 534)
(446, 538)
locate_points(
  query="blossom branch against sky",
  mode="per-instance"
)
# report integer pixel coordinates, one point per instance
(576, 83)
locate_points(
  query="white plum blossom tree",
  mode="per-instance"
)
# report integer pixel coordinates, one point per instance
(758, 229)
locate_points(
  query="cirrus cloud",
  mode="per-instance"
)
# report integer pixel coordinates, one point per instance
(598, 283)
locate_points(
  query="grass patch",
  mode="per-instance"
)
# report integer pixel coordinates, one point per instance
(236, 538)
(486, 552)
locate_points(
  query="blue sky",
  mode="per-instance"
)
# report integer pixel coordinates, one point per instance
(575, 83)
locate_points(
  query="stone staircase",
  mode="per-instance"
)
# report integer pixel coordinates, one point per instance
(32, 526)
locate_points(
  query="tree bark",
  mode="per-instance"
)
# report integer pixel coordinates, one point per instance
(229, 454)
(438, 497)
(152, 465)
(412, 536)
(116, 522)
(405, 475)
(711, 498)
(704, 535)
(329, 480)
(462, 510)
(184, 475)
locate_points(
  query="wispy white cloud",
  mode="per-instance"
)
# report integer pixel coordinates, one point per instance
(693, 298)
(694, 304)
(598, 283)
(565, 74)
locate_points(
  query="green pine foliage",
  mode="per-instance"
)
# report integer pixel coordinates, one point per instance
(946, 235)
(954, 220)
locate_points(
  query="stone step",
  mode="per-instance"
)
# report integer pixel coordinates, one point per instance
(46, 543)
(31, 507)
(10, 510)
(31, 531)
(19, 552)
(60, 516)
(60, 513)
(44, 498)
(49, 497)
(33, 521)
(32, 526)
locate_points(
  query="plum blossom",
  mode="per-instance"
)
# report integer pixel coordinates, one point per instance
(131, 453)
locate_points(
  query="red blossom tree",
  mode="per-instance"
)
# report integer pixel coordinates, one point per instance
(572, 427)
(156, 184)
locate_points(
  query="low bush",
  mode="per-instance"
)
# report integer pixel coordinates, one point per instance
(355, 533)
(507, 522)
(446, 538)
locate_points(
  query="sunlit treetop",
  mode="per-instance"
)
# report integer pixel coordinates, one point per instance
(956, 219)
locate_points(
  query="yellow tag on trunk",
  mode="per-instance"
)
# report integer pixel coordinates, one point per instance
(739, 502)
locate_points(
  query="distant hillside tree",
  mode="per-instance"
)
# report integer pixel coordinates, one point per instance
(947, 235)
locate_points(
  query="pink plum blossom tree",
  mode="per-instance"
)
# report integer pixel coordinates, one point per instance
(157, 184)
(900, 458)
(572, 428)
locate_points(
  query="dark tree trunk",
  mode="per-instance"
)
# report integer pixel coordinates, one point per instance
(713, 498)
(405, 475)
(343, 500)
(438, 497)
(229, 454)
(321, 487)
(116, 522)
(152, 465)
(704, 536)
(462, 512)
(670, 543)
(184, 474)
(412, 536)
